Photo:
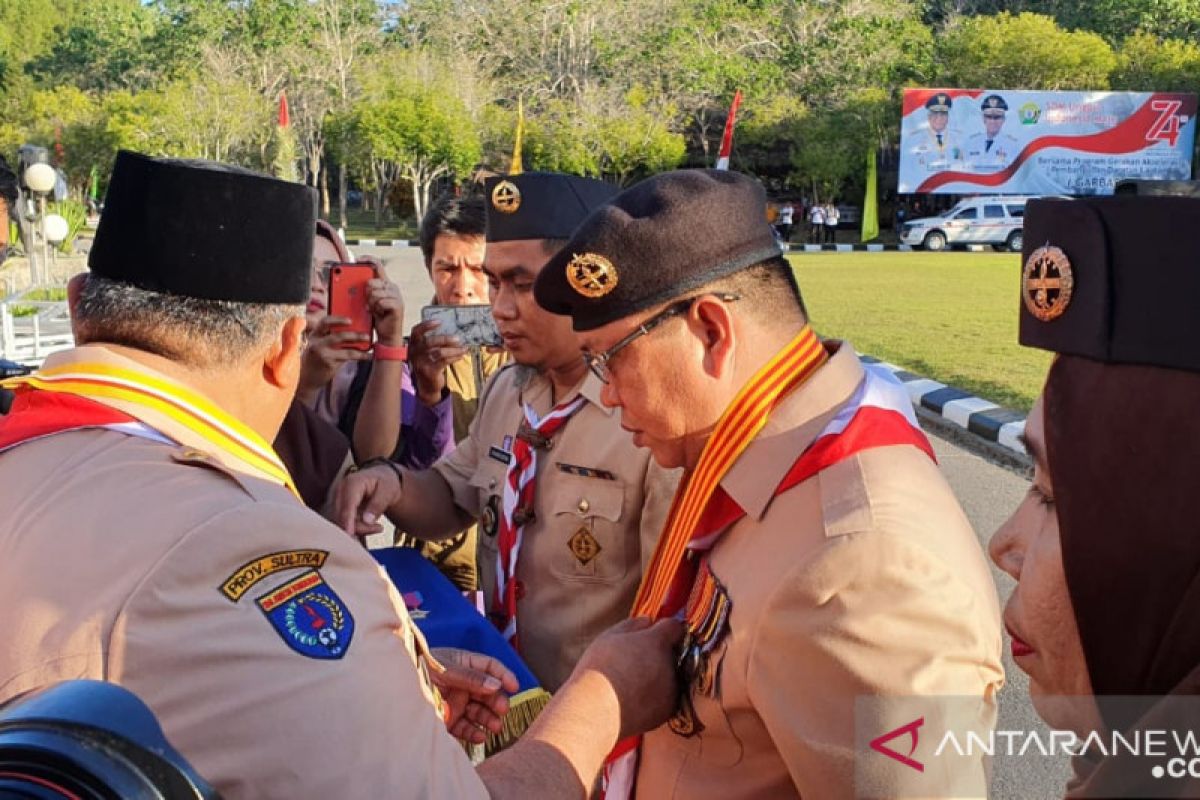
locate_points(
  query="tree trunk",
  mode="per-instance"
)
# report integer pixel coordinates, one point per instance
(342, 195)
(325, 193)
(418, 207)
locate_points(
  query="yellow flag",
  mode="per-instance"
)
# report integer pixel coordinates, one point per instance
(870, 215)
(515, 169)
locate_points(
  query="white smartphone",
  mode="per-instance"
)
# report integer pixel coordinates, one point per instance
(473, 325)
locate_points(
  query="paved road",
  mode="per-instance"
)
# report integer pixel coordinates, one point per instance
(987, 492)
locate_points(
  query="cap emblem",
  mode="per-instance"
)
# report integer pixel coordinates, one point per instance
(591, 275)
(1047, 283)
(506, 197)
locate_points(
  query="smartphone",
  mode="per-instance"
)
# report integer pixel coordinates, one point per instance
(474, 325)
(348, 298)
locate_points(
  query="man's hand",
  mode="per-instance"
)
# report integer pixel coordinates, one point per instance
(327, 352)
(637, 658)
(475, 688)
(429, 354)
(387, 307)
(364, 495)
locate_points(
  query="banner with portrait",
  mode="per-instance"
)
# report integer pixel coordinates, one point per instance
(997, 141)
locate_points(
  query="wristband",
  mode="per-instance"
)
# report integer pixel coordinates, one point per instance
(387, 352)
(385, 461)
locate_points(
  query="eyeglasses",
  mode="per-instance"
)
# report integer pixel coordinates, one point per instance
(598, 362)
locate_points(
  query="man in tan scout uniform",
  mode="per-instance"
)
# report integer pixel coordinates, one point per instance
(564, 535)
(815, 551)
(153, 538)
(452, 245)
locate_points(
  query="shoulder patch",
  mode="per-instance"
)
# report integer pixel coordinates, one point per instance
(247, 575)
(309, 616)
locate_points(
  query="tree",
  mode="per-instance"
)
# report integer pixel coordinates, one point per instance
(410, 124)
(1148, 63)
(102, 49)
(1027, 51)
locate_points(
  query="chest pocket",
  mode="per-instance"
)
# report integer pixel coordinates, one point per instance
(590, 538)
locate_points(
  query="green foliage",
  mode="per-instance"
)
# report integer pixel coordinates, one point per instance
(1148, 63)
(1027, 51)
(50, 295)
(75, 213)
(102, 49)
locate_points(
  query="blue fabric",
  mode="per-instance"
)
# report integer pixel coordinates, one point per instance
(449, 619)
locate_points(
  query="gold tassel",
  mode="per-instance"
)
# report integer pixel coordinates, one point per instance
(523, 709)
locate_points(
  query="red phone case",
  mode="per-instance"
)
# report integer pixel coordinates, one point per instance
(348, 298)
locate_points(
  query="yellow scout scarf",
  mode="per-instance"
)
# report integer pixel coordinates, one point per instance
(132, 390)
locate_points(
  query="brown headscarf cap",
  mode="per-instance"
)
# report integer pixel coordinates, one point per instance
(1123, 446)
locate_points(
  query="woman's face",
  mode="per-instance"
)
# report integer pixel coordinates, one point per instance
(324, 256)
(1039, 616)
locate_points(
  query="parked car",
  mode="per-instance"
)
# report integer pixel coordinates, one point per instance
(978, 220)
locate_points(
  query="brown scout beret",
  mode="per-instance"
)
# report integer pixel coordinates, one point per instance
(655, 241)
(1113, 279)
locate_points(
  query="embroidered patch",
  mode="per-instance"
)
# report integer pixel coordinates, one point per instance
(584, 546)
(585, 472)
(508, 442)
(497, 454)
(247, 575)
(309, 616)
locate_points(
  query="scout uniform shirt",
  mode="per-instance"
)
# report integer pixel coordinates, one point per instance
(865, 579)
(599, 506)
(278, 659)
(465, 379)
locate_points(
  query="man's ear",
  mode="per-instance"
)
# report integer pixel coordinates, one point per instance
(712, 320)
(281, 365)
(74, 292)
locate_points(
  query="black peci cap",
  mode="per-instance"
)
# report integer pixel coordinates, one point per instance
(1113, 279)
(655, 241)
(540, 205)
(205, 230)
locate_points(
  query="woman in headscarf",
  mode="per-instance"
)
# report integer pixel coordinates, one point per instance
(1106, 547)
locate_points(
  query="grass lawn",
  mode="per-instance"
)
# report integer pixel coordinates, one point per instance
(951, 317)
(361, 225)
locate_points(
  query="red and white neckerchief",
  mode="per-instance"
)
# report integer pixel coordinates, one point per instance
(878, 414)
(520, 482)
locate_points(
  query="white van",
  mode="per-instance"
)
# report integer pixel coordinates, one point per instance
(977, 220)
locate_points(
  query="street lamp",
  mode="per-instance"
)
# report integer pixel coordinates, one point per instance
(40, 178)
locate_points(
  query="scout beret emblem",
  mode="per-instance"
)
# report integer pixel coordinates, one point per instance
(1047, 283)
(506, 197)
(591, 275)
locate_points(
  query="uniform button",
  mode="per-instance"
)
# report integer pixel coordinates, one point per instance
(584, 505)
(492, 483)
(191, 453)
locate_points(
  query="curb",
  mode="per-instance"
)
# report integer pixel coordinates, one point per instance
(382, 243)
(791, 248)
(997, 426)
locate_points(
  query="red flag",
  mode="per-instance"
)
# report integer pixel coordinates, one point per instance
(727, 138)
(284, 120)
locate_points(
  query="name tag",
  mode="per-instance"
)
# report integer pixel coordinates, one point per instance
(586, 472)
(503, 456)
